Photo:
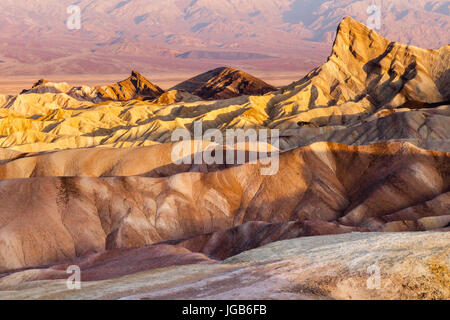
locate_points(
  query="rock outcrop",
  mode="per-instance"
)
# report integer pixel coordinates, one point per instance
(136, 86)
(365, 73)
(224, 83)
(349, 266)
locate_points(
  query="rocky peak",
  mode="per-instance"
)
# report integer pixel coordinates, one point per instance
(135, 86)
(224, 83)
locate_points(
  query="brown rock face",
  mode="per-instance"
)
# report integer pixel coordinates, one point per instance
(38, 86)
(224, 83)
(133, 87)
(39, 83)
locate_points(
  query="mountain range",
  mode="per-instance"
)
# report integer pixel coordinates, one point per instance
(185, 36)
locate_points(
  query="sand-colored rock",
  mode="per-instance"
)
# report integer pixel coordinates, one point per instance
(366, 73)
(425, 128)
(175, 96)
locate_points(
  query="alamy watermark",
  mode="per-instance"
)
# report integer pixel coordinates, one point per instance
(374, 281)
(74, 20)
(233, 149)
(374, 19)
(74, 281)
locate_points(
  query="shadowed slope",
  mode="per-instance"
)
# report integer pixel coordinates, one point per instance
(224, 83)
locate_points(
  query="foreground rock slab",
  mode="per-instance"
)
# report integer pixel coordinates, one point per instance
(409, 265)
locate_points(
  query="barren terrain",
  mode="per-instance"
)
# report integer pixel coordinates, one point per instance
(361, 178)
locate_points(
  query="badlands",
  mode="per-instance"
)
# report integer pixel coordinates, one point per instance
(88, 179)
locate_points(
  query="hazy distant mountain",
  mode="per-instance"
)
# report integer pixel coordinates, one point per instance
(158, 36)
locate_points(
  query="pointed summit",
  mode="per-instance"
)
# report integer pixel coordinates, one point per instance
(135, 86)
(373, 73)
(39, 83)
(45, 86)
(224, 83)
(356, 39)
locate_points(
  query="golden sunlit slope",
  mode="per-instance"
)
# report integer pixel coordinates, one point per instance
(364, 73)
(370, 90)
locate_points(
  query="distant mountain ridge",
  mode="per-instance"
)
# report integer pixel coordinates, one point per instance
(136, 86)
(219, 83)
(149, 35)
